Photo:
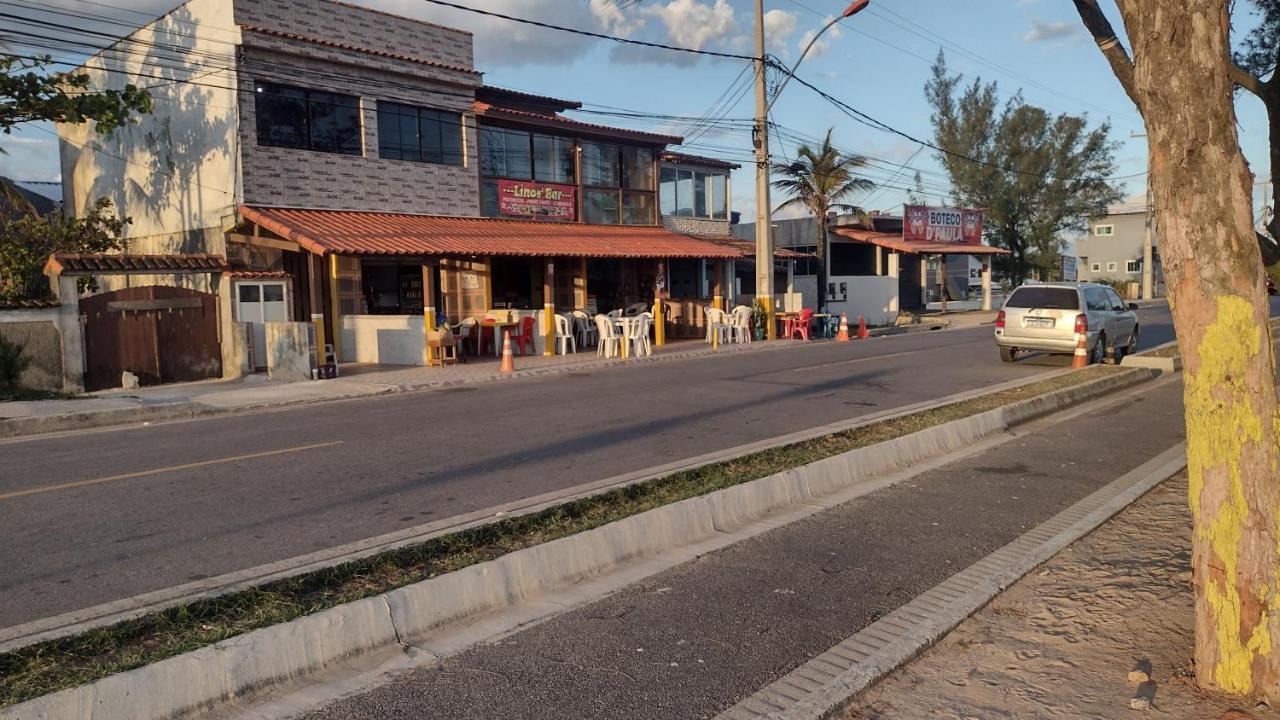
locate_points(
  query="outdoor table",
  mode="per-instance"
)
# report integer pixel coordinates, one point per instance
(781, 318)
(494, 326)
(628, 327)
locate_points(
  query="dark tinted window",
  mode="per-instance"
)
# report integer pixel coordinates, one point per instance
(1096, 299)
(1116, 302)
(406, 132)
(1048, 298)
(505, 153)
(307, 119)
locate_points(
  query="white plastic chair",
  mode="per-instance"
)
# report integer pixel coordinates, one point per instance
(609, 344)
(716, 325)
(585, 330)
(741, 324)
(564, 336)
(635, 309)
(615, 313)
(640, 328)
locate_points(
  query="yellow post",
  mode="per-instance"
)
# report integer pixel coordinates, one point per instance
(428, 307)
(549, 307)
(659, 317)
(717, 292)
(333, 307)
(771, 322)
(315, 301)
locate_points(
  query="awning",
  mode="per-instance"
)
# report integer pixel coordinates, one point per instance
(748, 247)
(896, 243)
(371, 233)
(124, 264)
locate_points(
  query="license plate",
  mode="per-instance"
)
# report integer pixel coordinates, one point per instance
(1037, 322)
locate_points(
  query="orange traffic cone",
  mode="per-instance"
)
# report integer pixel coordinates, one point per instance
(1081, 358)
(843, 335)
(508, 362)
(862, 328)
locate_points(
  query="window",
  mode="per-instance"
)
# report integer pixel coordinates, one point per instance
(1133, 266)
(1111, 267)
(1116, 303)
(600, 165)
(694, 193)
(419, 134)
(667, 191)
(553, 159)
(684, 193)
(505, 153)
(1104, 230)
(719, 197)
(806, 265)
(600, 206)
(637, 168)
(1047, 298)
(637, 208)
(294, 117)
(1096, 299)
(1096, 267)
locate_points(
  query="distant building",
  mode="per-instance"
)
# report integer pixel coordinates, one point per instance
(1112, 248)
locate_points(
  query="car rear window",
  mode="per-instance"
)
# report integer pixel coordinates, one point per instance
(1049, 298)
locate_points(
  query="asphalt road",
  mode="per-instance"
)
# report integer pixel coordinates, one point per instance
(188, 500)
(695, 640)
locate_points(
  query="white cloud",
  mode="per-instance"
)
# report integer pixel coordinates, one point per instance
(820, 47)
(779, 26)
(614, 19)
(1042, 30)
(694, 24)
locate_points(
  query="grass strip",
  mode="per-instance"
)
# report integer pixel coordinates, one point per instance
(57, 664)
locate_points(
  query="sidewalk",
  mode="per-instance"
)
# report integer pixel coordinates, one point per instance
(1062, 641)
(696, 640)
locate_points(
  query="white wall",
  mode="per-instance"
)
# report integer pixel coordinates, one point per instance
(175, 172)
(386, 339)
(870, 295)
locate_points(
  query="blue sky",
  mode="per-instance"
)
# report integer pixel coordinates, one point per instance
(877, 61)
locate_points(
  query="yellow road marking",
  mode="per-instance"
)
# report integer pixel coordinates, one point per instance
(157, 471)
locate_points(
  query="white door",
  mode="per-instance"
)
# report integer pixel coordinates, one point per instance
(258, 303)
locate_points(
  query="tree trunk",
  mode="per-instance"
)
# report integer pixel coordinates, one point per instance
(822, 260)
(1213, 270)
(1273, 124)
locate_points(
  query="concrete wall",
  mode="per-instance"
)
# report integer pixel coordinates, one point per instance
(872, 296)
(386, 339)
(304, 178)
(175, 171)
(1124, 245)
(695, 226)
(36, 331)
(289, 354)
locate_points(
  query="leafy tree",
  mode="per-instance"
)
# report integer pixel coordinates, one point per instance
(1037, 175)
(26, 242)
(917, 195)
(28, 95)
(1255, 58)
(1182, 79)
(820, 180)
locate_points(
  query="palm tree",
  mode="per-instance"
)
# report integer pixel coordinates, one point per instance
(820, 180)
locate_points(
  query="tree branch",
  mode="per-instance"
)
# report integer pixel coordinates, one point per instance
(1100, 28)
(1246, 80)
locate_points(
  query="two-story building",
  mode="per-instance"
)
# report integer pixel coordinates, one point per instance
(317, 161)
(1111, 249)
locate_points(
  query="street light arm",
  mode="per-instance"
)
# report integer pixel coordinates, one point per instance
(853, 9)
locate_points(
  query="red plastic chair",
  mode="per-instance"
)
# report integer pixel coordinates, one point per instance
(801, 324)
(522, 336)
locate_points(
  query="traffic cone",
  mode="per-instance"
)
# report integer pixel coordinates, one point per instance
(843, 335)
(1081, 358)
(508, 362)
(862, 328)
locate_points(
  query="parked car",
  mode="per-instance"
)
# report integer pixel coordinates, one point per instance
(1047, 317)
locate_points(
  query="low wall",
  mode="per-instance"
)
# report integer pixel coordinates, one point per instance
(290, 354)
(874, 296)
(36, 331)
(385, 339)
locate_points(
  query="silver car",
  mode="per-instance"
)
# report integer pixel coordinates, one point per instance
(1047, 318)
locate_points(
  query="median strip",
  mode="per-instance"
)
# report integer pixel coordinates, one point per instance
(49, 666)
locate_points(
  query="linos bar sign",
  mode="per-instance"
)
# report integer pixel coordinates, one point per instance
(517, 197)
(942, 225)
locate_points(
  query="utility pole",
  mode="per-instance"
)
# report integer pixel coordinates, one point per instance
(1148, 262)
(764, 233)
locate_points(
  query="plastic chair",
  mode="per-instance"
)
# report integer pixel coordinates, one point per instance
(609, 344)
(615, 313)
(564, 336)
(716, 325)
(468, 331)
(583, 327)
(522, 336)
(741, 324)
(640, 328)
(800, 324)
(635, 309)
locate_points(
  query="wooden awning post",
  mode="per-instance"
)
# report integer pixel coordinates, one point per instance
(428, 307)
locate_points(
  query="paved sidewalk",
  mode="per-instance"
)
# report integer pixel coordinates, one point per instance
(693, 641)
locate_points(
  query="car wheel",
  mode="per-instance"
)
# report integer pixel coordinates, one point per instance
(1008, 354)
(1133, 342)
(1099, 354)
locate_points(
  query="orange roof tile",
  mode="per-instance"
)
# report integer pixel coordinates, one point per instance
(110, 263)
(374, 233)
(487, 110)
(895, 242)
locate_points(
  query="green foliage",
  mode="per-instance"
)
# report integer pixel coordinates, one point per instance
(1040, 175)
(758, 316)
(13, 362)
(26, 243)
(1259, 51)
(820, 180)
(27, 95)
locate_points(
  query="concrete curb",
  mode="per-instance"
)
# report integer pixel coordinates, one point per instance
(232, 668)
(825, 685)
(1144, 359)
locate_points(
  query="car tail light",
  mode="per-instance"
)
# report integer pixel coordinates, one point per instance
(1000, 319)
(1082, 323)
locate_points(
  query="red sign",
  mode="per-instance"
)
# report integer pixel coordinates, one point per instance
(921, 223)
(524, 198)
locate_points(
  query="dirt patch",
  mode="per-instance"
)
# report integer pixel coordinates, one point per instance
(1062, 642)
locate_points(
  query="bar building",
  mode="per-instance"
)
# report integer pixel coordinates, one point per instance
(351, 168)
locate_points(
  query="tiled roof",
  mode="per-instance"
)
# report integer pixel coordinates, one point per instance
(895, 242)
(556, 121)
(687, 159)
(28, 304)
(372, 233)
(357, 48)
(108, 264)
(748, 247)
(258, 274)
(490, 93)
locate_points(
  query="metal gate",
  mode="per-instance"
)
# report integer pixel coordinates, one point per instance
(161, 334)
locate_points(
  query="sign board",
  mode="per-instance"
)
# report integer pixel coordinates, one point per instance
(921, 223)
(534, 199)
(1069, 273)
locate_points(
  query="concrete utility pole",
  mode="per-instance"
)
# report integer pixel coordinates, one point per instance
(764, 233)
(1148, 271)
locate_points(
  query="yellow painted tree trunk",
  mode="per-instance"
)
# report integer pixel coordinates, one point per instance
(1179, 79)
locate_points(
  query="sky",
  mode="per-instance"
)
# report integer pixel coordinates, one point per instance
(876, 61)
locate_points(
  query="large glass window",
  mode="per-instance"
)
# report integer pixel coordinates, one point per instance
(307, 119)
(406, 132)
(637, 208)
(700, 195)
(719, 197)
(553, 159)
(684, 193)
(600, 164)
(637, 168)
(690, 193)
(600, 206)
(667, 191)
(505, 153)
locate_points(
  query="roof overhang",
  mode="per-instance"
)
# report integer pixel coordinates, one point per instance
(325, 232)
(577, 127)
(124, 264)
(896, 243)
